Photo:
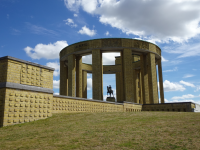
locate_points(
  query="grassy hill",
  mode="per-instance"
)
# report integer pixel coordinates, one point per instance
(142, 130)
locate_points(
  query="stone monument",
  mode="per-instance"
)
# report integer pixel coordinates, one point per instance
(110, 91)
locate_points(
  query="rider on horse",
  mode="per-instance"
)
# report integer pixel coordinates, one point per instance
(109, 90)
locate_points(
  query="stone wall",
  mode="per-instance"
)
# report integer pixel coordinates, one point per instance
(67, 104)
(25, 91)
(180, 107)
(24, 106)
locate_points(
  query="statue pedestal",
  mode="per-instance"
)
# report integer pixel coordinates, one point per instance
(110, 99)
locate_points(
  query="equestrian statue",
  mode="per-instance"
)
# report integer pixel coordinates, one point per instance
(109, 90)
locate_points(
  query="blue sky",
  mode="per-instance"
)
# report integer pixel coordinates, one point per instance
(37, 30)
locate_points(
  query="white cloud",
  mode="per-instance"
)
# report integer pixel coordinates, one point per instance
(149, 19)
(175, 69)
(89, 83)
(87, 31)
(56, 84)
(89, 5)
(181, 100)
(163, 59)
(87, 59)
(49, 51)
(72, 5)
(56, 93)
(8, 16)
(183, 97)
(108, 58)
(187, 83)
(188, 75)
(56, 66)
(171, 86)
(175, 100)
(197, 88)
(184, 50)
(107, 33)
(70, 22)
(75, 15)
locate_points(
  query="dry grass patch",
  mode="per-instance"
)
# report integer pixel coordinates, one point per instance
(145, 130)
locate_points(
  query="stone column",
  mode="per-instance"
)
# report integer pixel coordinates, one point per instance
(128, 75)
(118, 87)
(121, 79)
(153, 95)
(97, 74)
(63, 79)
(135, 86)
(79, 76)
(84, 84)
(140, 89)
(161, 81)
(71, 75)
(144, 76)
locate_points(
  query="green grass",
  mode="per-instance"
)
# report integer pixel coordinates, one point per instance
(142, 130)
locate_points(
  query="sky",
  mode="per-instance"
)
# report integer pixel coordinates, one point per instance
(37, 30)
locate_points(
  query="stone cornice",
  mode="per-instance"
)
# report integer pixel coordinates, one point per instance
(26, 62)
(25, 87)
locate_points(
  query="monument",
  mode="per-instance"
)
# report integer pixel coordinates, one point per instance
(135, 70)
(26, 88)
(110, 91)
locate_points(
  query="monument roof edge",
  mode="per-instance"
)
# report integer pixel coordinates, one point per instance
(27, 62)
(111, 38)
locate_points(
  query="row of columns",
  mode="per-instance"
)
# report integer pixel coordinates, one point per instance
(72, 76)
(73, 81)
(140, 85)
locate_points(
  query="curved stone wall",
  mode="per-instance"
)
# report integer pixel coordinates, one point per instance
(109, 45)
(135, 69)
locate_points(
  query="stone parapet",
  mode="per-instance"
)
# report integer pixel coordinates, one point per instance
(180, 107)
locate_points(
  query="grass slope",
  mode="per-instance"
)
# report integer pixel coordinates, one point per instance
(142, 130)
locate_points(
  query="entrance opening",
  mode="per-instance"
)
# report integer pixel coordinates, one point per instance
(109, 78)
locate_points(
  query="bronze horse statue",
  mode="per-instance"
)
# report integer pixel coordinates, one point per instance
(109, 90)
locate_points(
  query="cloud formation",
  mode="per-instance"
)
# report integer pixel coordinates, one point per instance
(70, 22)
(89, 83)
(56, 66)
(163, 59)
(47, 51)
(190, 49)
(188, 75)
(108, 58)
(175, 69)
(56, 84)
(183, 97)
(187, 83)
(87, 31)
(171, 86)
(148, 19)
(107, 33)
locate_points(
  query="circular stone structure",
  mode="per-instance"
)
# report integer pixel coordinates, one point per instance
(135, 69)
